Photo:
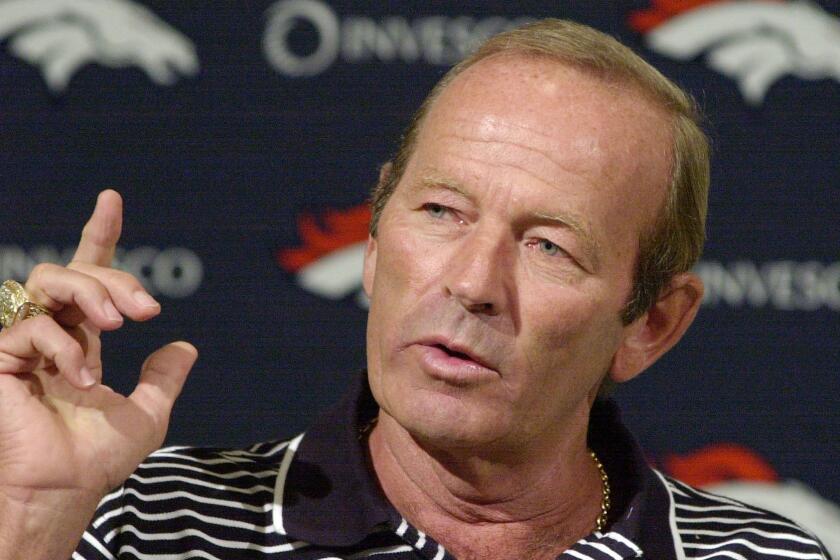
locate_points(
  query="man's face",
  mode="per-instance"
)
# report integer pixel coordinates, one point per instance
(506, 253)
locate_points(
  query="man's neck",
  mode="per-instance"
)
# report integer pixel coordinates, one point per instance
(477, 507)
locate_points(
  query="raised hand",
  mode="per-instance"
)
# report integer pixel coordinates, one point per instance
(65, 438)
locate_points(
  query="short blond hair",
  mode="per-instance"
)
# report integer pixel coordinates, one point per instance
(674, 241)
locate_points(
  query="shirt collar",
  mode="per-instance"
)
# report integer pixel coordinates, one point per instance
(640, 506)
(327, 493)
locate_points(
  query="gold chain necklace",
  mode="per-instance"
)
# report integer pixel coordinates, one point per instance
(601, 520)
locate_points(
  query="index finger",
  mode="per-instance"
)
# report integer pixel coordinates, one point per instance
(102, 231)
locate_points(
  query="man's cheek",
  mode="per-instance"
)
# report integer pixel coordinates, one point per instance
(413, 272)
(553, 352)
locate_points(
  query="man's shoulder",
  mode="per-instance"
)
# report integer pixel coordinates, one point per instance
(204, 475)
(708, 524)
(205, 481)
(219, 458)
(221, 498)
(236, 473)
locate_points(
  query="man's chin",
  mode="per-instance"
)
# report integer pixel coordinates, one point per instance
(447, 424)
(438, 413)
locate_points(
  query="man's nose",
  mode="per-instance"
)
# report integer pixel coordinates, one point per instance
(479, 271)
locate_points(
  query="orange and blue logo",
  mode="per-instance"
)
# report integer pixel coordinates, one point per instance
(754, 42)
(329, 261)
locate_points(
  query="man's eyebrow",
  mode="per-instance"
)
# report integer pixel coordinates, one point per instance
(564, 220)
(440, 182)
(569, 221)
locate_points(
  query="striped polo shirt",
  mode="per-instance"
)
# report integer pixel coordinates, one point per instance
(315, 497)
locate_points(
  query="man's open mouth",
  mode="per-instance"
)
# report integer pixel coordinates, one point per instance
(455, 353)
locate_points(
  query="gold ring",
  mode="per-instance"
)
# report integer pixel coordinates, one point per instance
(15, 304)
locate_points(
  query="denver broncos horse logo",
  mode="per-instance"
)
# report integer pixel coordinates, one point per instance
(755, 43)
(61, 36)
(329, 263)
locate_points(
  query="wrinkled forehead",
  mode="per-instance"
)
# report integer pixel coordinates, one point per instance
(567, 119)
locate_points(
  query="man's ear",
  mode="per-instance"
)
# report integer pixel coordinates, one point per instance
(369, 268)
(659, 329)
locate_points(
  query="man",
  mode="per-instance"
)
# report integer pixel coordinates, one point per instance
(531, 239)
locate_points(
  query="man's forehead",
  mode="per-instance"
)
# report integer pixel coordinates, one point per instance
(555, 123)
(579, 121)
(515, 97)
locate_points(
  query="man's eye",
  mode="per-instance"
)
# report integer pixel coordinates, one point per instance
(549, 248)
(435, 210)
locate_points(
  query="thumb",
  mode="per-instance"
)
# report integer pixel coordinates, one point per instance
(161, 379)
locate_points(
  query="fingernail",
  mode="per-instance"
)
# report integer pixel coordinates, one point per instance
(86, 377)
(145, 299)
(111, 312)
